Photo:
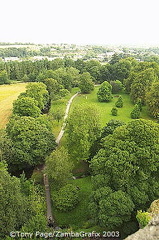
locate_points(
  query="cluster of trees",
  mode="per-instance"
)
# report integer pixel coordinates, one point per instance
(21, 52)
(28, 70)
(117, 69)
(104, 94)
(123, 161)
(137, 78)
(59, 166)
(141, 82)
(4, 77)
(28, 137)
(24, 144)
(140, 85)
(22, 206)
(124, 172)
(82, 130)
(24, 52)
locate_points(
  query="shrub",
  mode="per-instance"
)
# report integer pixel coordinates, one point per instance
(119, 103)
(66, 198)
(135, 114)
(114, 111)
(143, 218)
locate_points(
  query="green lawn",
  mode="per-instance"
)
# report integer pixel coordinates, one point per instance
(105, 108)
(78, 217)
(60, 105)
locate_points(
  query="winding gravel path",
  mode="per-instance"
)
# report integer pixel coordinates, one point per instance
(50, 218)
(65, 117)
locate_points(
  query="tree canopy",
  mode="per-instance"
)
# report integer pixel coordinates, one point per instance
(82, 130)
(104, 93)
(22, 206)
(59, 167)
(4, 77)
(141, 84)
(86, 85)
(127, 164)
(38, 92)
(31, 141)
(26, 106)
(152, 100)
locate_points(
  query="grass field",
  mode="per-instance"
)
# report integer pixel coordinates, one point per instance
(104, 109)
(79, 216)
(8, 93)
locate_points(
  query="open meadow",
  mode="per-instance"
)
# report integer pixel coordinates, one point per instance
(8, 93)
(104, 109)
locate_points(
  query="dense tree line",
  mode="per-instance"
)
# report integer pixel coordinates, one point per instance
(28, 137)
(136, 78)
(17, 52)
(24, 144)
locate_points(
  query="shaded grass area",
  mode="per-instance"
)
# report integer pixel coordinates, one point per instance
(60, 105)
(78, 217)
(81, 168)
(105, 108)
(8, 93)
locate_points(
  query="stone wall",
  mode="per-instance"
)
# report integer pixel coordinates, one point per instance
(150, 232)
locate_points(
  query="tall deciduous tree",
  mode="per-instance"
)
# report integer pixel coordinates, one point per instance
(39, 93)
(15, 209)
(59, 167)
(104, 93)
(32, 141)
(82, 130)
(3, 77)
(26, 106)
(152, 100)
(141, 84)
(86, 85)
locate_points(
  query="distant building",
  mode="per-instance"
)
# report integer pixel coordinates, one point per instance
(7, 59)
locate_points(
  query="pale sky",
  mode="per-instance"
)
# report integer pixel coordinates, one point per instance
(80, 21)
